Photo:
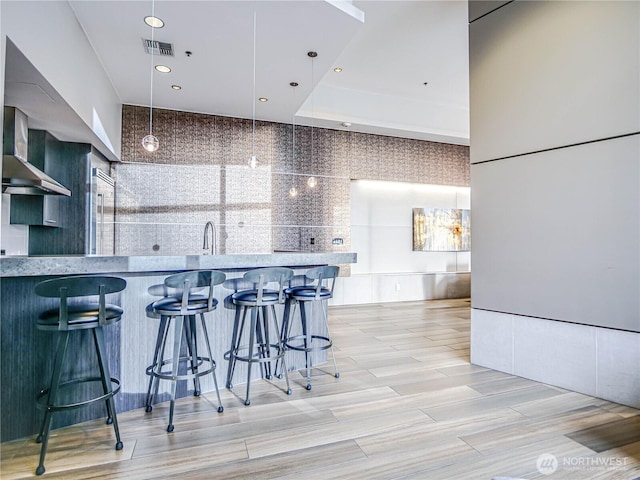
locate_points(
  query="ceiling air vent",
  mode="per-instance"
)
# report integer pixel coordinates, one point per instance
(157, 48)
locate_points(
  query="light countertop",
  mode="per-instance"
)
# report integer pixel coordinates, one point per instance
(80, 264)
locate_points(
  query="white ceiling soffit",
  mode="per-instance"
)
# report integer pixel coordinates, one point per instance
(385, 61)
(28, 90)
(218, 77)
(381, 90)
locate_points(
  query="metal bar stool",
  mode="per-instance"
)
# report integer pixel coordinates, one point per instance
(186, 303)
(67, 318)
(312, 294)
(259, 347)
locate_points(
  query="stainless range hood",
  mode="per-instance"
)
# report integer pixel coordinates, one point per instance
(19, 177)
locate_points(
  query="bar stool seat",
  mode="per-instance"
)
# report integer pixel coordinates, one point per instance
(197, 304)
(259, 347)
(85, 315)
(183, 302)
(308, 341)
(307, 292)
(64, 320)
(250, 297)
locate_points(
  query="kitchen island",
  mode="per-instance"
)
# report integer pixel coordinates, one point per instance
(26, 353)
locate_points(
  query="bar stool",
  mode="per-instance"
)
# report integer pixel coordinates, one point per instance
(72, 317)
(312, 294)
(259, 347)
(185, 304)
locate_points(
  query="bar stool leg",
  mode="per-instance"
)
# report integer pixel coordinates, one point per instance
(106, 387)
(208, 345)
(159, 350)
(266, 342)
(260, 343)
(43, 437)
(284, 333)
(177, 340)
(192, 347)
(162, 353)
(281, 349)
(106, 382)
(235, 343)
(252, 331)
(306, 331)
(325, 311)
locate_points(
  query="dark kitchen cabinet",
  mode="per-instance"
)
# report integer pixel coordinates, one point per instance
(36, 210)
(70, 164)
(46, 153)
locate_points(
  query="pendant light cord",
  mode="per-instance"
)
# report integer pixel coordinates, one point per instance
(312, 111)
(153, 14)
(293, 125)
(253, 95)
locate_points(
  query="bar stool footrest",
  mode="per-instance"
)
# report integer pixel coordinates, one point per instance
(41, 399)
(151, 369)
(257, 358)
(327, 343)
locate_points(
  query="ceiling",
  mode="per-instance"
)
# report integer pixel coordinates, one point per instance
(388, 50)
(402, 45)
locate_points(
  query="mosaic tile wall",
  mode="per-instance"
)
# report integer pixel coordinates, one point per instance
(201, 173)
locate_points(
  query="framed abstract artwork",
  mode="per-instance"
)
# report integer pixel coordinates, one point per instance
(441, 230)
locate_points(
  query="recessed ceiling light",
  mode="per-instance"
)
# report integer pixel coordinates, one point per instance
(294, 84)
(263, 99)
(337, 69)
(176, 87)
(346, 124)
(154, 22)
(163, 68)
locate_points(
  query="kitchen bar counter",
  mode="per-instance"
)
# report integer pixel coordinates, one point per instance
(26, 353)
(80, 264)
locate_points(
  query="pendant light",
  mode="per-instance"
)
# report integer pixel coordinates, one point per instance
(312, 181)
(150, 142)
(293, 191)
(253, 161)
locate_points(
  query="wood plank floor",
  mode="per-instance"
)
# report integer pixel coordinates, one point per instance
(408, 405)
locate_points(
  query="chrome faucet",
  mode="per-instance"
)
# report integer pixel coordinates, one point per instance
(205, 245)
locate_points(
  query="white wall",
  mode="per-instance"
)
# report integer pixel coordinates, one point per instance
(557, 225)
(388, 270)
(3, 43)
(596, 361)
(551, 74)
(568, 246)
(555, 176)
(14, 238)
(51, 38)
(382, 227)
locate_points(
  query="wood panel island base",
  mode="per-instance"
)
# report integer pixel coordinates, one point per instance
(26, 354)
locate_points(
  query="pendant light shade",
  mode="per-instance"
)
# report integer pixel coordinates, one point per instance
(150, 143)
